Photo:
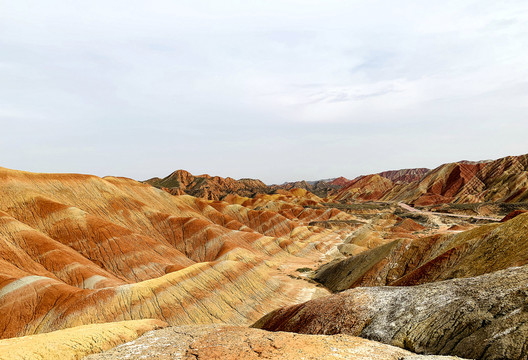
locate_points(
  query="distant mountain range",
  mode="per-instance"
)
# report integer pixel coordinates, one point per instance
(502, 180)
(216, 188)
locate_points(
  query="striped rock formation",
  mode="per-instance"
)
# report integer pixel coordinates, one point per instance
(365, 188)
(405, 175)
(78, 249)
(502, 180)
(321, 188)
(331, 187)
(182, 182)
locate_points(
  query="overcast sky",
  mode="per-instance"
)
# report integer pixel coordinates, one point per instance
(276, 90)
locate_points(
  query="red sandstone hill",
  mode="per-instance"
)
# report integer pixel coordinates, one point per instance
(375, 186)
(182, 182)
(364, 188)
(209, 187)
(217, 188)
(404, 175)
(329, 187)
(340, 181)
(502, 180)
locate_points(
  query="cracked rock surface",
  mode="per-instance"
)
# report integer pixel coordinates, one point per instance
(484, 317)
(232, 342)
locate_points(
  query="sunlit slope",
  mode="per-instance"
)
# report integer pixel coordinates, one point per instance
(78, 249)
(77, 342)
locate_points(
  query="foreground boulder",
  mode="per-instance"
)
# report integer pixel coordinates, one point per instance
(231, 342)
(484, 317)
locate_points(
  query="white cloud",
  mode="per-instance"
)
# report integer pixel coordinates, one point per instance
(277, 78)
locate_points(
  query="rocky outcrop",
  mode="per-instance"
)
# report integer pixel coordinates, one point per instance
(484, 317)
(513, 214)
(209, 187)
(234, 343)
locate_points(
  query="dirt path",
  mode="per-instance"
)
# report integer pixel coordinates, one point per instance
(411, 209)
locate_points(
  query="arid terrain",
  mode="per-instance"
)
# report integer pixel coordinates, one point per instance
(405, 264)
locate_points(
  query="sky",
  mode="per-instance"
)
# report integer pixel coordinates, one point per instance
(277, 90)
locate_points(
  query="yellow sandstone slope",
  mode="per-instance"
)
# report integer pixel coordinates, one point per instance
(77, 342)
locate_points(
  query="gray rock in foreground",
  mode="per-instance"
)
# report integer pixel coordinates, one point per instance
(235, 343)
(484, 317)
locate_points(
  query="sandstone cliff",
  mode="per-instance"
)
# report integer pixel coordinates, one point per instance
(234, 343)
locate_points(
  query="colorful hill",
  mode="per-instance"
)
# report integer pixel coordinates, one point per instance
(78, 249)
(502, 180)
(181, 182)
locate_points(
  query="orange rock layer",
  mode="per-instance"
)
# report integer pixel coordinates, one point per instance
(78, 249)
